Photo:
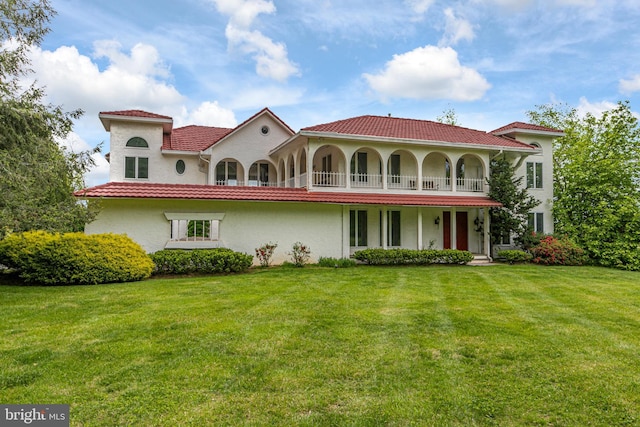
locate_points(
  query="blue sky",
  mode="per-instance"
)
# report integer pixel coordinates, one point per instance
(217, 62)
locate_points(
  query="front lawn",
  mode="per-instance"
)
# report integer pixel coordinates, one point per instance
(500, 345)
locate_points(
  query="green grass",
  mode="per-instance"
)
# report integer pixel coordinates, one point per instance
(461, 346)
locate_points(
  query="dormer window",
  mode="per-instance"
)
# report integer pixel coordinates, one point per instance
(137, 142)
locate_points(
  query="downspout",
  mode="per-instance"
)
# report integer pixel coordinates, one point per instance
(208, 164)
(522, 157)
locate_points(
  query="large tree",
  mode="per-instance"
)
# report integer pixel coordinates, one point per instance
(597, 181)
(37, 175)
(506, 187)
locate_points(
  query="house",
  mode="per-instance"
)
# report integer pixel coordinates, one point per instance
(362, 182)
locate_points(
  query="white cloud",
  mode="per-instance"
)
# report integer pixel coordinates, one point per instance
(207, 114)
(99, 173)
(271, 58)
(420, 6)
(456, 29)
(631, 85)
(428, 72)
(594, 108)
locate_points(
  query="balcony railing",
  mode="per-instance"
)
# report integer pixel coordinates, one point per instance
(328, 179)
(256, 183)
(230, 182)
(402, 182)
(436, 183)
(470, 184)
(364, 180)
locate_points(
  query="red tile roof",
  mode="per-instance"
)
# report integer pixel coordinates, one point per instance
(136, 113)
(136, 190)
(524, 126)
(194, 138)
(412, 129)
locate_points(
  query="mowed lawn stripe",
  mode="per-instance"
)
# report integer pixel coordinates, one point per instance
(503, 345)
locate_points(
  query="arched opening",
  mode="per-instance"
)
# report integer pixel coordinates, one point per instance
(436, 172)
(229, 172)
(402, 171)
(329, 167)
(366, 169)
(469, 174)
(262, 174)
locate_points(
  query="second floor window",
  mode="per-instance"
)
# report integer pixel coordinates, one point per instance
(136, 167)
(536, 222)
(227, 173)
(534, 175)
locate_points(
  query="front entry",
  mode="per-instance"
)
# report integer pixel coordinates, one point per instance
(462, 230)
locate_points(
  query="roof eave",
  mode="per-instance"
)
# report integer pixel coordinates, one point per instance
(167, 124)
(528, 131)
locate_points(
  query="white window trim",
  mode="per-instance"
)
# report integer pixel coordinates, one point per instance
(194, 216)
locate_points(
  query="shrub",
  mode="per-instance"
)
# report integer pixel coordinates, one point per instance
(219, 260)
(413, 256)
(515, 256)
(300, 254)
(265, 252)
(75, 258)
(336, 262)
(554, 251)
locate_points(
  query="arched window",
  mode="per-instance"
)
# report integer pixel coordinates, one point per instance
(137, 142)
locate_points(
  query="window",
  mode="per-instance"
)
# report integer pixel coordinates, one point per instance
(180, 167)
(265, 130)
(194, 230)
(357, 228)
(136, 167)
(536, 222)
(359, 167)
(227, 173)
(534, 175)
(259, 174)
(326, 163)
(137, 142)
(460, 169)
(394, 168)
(393, 228)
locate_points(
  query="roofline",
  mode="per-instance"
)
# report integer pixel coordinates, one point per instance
(528, 131)
(181, 152)
(336, 135)
(265, 110)
(167, 124)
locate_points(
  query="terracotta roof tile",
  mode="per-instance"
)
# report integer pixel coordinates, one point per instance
(275, 194)
(412, 129)
(194, 138)
(524, 126)
(136, 113)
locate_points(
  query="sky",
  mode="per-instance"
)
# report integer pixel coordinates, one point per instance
(218, 62)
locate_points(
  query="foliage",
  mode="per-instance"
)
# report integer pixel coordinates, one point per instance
(377, 256)
(37, 176)
(74, 258)
(506, 187)
(515, 256)
(198, 228)
(554, 251)
(596, 181)
(265, 252)
(300, 254)
(336, 262)
(449, 117)
(219, 260)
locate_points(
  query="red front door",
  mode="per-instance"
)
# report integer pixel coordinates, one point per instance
(462, 231)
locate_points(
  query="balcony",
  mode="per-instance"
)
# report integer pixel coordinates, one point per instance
(475, 185)
(328, 179)
(436, 183)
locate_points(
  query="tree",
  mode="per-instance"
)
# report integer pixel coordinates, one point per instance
(448, 117)
(37, 176)
(597, 181)
(506, 188)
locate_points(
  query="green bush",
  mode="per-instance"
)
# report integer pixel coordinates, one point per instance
(554, 251)
(219, 260)
(336, 262)
(514, 256)
(413, 256)
(74, 258)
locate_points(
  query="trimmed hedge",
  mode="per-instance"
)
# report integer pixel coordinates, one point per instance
(74, 258)
(336, 262)
(413, 256)
(515, 256)
(219, 260)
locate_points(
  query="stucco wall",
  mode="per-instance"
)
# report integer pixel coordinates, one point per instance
(246, 225)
